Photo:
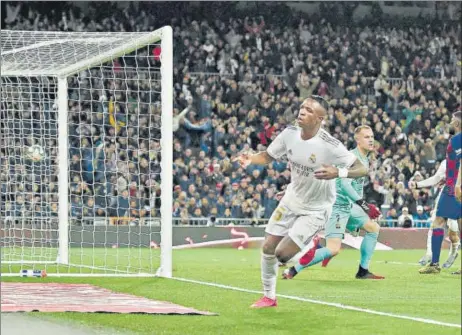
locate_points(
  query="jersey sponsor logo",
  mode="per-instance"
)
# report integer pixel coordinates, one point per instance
(313, 158)
(458, 151)
(301, 169)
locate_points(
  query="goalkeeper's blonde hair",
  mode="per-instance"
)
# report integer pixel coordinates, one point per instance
(360, 128)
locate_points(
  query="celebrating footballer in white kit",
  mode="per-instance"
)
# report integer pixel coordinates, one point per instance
(316, 159)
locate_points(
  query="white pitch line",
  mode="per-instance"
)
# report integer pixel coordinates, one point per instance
(397, 263)
(325, 303)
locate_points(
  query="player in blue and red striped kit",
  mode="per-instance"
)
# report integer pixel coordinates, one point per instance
(448, 206)
(458, 194)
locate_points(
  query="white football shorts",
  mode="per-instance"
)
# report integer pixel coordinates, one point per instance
(301, 228)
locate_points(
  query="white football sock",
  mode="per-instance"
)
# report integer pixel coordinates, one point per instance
(269, 272)
(429, 242)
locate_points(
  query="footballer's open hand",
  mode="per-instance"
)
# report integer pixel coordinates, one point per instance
(326, 172)
(244, 160)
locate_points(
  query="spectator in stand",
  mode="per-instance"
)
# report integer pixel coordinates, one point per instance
(392, 218)
(421, 218)
(405, 220)
(261, 68)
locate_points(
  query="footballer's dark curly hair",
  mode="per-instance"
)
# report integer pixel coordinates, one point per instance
(320, 100)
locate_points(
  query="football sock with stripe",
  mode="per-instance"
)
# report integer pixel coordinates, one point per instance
(319, 256)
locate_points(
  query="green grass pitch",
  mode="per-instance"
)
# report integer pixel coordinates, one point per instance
(403, 292)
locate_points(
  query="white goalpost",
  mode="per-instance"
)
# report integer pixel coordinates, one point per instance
(86, 153)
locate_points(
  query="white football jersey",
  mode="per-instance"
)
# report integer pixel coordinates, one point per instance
(305, 192)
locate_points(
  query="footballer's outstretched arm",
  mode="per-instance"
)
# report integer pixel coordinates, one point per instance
(357, 170)
(433, 180)
(327, 172)
(348, 190)
(429, 182)
(275, 150)
(345, 187)
(262, 158)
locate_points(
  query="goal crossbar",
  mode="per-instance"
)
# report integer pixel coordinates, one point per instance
(49, 43)
(129, 42)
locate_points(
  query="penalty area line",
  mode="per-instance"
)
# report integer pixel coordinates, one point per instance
(325, 303)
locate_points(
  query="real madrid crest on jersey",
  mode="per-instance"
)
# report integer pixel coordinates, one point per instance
(313, 158)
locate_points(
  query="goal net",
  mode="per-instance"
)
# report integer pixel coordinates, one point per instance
(86, 153)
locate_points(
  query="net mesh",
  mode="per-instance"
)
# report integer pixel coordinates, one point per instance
(114, 136)
(29, 189)
(50, 53)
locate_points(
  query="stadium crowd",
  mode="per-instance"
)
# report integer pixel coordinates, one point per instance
(238, 81)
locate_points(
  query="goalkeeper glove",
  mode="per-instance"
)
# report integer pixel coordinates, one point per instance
(372, 211)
